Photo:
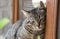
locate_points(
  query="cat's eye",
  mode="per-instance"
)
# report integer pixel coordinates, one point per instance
(32, 22)
(28, 22)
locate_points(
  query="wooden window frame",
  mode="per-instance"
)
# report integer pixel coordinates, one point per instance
(51, 17)
(15, 11)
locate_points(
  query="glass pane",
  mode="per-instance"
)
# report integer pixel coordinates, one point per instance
(5, 14)
(5, 9)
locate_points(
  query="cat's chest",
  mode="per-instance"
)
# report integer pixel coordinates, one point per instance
(24, 34)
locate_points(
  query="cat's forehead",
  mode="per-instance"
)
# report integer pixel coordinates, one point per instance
(30, 19)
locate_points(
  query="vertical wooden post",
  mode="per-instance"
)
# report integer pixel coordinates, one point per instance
(15, 11)
(51, 19)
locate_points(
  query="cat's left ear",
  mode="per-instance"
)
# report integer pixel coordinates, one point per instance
(42, 5)
(25, 13)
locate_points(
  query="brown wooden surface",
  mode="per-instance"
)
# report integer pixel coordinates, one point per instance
(51, 19)
(15, 10)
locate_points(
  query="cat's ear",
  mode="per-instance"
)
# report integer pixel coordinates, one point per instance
(25, 13)
(42, 4)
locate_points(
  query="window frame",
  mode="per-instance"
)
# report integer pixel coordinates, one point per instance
(51, 19)
(15, 11)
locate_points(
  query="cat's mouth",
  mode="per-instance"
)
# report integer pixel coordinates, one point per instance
(32, 29)
(36, 29)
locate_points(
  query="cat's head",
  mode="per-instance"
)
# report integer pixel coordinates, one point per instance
(30, 23)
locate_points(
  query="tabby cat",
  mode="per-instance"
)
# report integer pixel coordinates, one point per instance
(27, 30)
(31, 27)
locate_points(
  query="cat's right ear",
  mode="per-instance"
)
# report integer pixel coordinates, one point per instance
(25, 13)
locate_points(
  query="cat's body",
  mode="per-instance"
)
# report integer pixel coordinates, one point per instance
(11, 33)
